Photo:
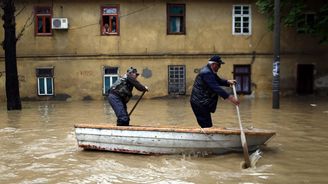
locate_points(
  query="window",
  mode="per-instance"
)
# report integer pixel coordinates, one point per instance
(45, 81)
(110, 77)
(307, 23)
(242, 74)
(43, 21)
(177, 79)
(176, 19)
(109, 23)
(241, 24)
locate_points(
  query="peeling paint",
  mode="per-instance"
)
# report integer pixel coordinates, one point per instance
(161, 140)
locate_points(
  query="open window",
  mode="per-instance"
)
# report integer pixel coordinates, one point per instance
(110, 20)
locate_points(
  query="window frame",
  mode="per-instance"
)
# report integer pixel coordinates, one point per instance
(242, 75)
(46, 86)
(117, 33)
(43, 16)
(242, 15)
(104, 89)
(45, 77)
(168, 15)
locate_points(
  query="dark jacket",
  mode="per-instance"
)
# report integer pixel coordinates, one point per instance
(123, 87)
(207, 88)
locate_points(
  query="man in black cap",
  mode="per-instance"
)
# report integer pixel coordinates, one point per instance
(120, 93)
(206, 90)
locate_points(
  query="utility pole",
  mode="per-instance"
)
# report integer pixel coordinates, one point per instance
(276, 57)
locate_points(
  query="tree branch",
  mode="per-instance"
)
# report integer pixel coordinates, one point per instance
(28, 23)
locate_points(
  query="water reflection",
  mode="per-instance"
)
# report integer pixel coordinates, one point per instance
(38, 144)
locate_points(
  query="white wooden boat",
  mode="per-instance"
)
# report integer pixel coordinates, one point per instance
(152, 140)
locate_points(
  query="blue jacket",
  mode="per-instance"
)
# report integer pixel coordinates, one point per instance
(207, 88)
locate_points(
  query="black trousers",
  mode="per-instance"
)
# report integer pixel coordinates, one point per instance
(203, 116)
(120, 109)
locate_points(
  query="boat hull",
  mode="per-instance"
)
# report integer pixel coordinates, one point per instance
(150, 140)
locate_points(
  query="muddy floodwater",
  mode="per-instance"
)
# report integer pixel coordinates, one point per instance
(38, 145)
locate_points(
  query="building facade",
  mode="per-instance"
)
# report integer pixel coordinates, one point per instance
(74, 50)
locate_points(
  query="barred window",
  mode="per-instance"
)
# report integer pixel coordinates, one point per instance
(177, 79)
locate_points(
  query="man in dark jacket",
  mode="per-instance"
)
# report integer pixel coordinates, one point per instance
(121, 92)
(206, 90)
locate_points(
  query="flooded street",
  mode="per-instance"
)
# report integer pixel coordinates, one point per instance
(38, 144)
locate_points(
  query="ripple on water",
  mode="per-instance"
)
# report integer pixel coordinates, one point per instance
(143, 171)
(38, 144)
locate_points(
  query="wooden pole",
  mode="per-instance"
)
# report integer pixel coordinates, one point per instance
(242, 134)
(135, 105)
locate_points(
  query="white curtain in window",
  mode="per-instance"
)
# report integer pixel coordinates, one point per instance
(177, 24)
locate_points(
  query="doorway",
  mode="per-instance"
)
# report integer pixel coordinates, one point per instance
(242, 74)
(305, 79)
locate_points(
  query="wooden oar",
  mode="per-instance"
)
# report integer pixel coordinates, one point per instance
(242, 134)
(135, 105)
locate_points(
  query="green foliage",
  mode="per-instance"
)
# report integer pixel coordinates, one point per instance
(293, 14)
(322, 24)
(266, 7)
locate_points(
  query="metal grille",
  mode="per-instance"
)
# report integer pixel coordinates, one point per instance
(177, 79)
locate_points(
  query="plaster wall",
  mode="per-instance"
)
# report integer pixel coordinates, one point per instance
(79, 53)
